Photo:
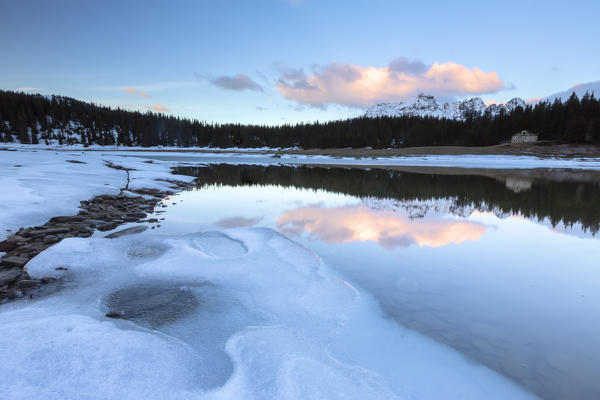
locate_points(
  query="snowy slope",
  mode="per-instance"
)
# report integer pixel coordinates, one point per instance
(427, 106)
(580, 90)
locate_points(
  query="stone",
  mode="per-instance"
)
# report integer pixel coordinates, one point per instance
(127, 231)
(7, 245)
(14, 261)
(9, 276)
(27, 284)
(48, 231)
(137, 215)
(108, 226)
(67, 219)
(50, 239)
(75, 162)
(152, 220)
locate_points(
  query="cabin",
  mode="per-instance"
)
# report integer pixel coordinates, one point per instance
(524, 137)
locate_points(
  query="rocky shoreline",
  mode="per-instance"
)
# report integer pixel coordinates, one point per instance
(101, 213)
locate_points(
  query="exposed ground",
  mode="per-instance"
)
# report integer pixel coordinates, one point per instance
(537, 150)
(544, 150)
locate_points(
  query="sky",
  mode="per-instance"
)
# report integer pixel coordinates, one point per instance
(288, 61)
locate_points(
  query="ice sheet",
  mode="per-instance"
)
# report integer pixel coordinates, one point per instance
(272, 322)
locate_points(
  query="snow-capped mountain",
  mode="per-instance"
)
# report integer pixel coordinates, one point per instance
(427, 106)
(580, 90)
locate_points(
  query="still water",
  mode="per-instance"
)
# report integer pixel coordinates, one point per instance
(503, 268)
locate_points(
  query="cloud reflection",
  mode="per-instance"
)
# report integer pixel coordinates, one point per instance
(391, 229)
(238, 222)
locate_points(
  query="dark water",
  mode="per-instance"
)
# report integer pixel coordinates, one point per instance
(501, 266)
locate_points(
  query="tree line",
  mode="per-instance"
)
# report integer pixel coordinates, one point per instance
(34, 118)
(566, 201)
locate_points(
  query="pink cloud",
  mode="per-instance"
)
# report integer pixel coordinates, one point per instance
(159, 108)
(389, 229)
(357, 86)
(134, 92)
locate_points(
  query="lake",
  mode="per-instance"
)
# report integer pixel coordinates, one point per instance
(501, 266)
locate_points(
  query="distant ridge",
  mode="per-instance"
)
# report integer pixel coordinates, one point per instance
(580, 90)
(427, 106)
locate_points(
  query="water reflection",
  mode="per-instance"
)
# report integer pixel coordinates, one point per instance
(519, 294)
(389, 228)
(557, 197)
(238, 222)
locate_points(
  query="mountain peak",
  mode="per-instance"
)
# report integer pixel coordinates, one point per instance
(424, 105)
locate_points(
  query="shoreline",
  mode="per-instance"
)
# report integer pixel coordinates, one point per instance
(541, 150)
(102, 213)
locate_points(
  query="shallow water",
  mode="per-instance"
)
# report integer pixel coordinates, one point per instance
(503, 269)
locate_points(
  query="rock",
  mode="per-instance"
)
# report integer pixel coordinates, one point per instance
(67, 219)
(50, 239)
(48, 231)
(109, 226)
(114, 315)
(9, 276)
(14, 261)
(137, 215)
(61, 269)
(12, 294)
(152, 220)
(127, 231)
(130, 219)
(7, 245)
(92, 222)
(75, 162)
(27, 284)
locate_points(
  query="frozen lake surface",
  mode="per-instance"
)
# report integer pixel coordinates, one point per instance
(275, 281)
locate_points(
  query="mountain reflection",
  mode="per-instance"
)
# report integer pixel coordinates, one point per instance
(390, 229)
(560, 198)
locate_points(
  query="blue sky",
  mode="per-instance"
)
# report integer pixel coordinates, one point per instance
(285, 61)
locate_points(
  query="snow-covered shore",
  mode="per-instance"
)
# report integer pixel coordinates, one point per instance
(40, 184)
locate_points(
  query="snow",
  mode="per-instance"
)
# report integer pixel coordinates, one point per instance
(273, 321)
(580, 90)
(427, 106)
(459, 161)
(38, 185)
